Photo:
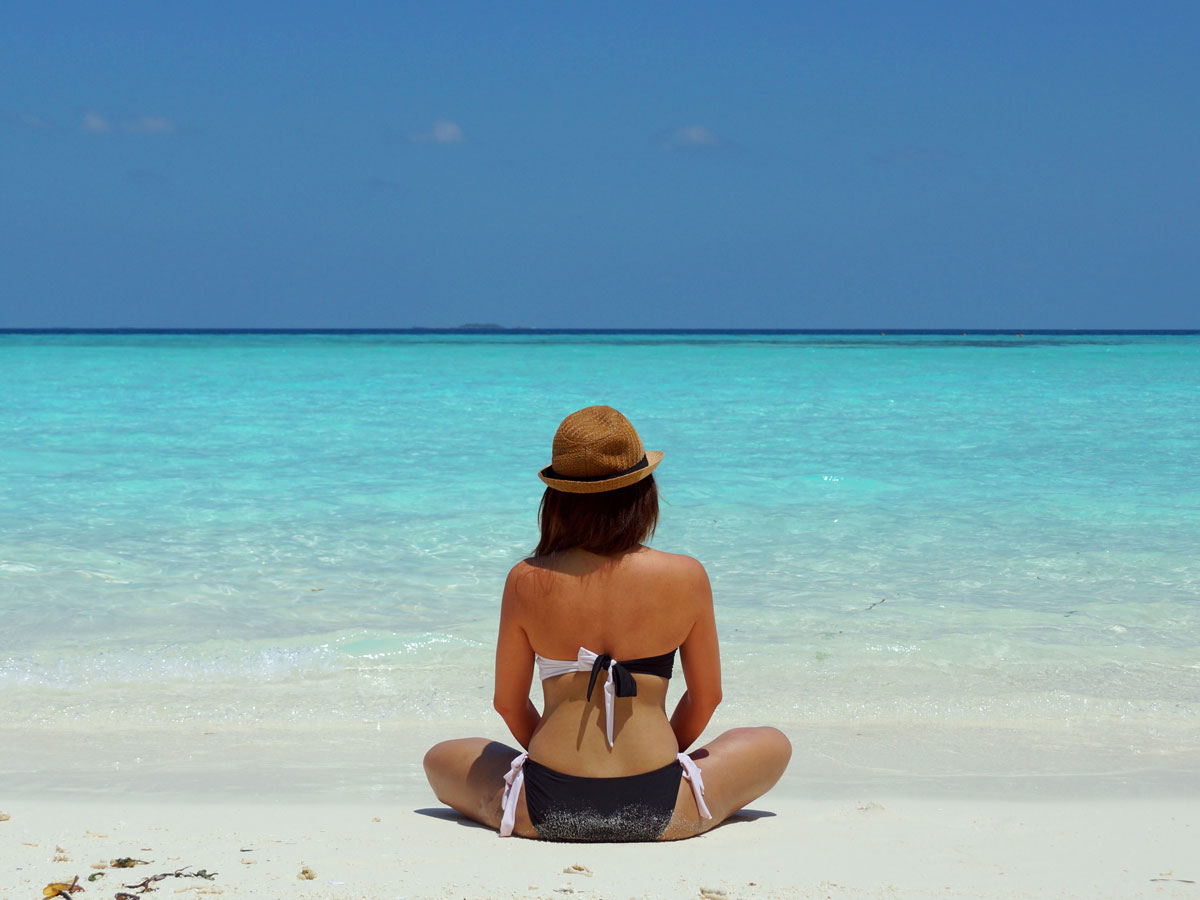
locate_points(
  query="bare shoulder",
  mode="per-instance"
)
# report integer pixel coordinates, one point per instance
(676, 563)
(519, 571)
(518, 584)
(678, 570)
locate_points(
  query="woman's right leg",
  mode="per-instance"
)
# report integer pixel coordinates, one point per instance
(738, 767)
(468, 776)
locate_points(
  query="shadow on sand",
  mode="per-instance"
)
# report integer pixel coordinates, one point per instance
(449, 815)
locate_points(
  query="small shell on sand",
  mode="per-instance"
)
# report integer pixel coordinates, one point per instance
(306, 874)
(577, 869)
(4, 817)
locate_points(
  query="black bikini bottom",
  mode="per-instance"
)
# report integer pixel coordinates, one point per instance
(575, 808)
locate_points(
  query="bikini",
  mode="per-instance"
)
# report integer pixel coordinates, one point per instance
(576, 808)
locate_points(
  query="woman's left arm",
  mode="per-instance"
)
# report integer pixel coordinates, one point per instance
(700, 655)
(514, 669)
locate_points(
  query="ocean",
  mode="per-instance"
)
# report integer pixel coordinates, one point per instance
(904, 532)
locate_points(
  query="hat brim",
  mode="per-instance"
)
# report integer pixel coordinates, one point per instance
(573, 486)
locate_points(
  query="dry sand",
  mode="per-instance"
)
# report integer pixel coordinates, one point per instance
(908, 813)
(900, 847)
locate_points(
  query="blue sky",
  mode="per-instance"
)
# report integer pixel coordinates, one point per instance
(821, 165)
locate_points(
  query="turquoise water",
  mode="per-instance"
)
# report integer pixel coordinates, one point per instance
(315, 528)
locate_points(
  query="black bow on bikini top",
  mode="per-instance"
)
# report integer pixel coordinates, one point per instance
(622, 673)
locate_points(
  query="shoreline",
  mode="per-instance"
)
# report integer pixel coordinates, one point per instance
(374, 761)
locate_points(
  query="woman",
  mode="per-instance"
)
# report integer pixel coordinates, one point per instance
(603, 615)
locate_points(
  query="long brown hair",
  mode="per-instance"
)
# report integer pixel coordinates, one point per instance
(605, 522)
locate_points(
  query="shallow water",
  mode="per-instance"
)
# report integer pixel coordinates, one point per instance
(315, 528)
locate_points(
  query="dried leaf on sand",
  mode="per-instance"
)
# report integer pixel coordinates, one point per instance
(62, 888)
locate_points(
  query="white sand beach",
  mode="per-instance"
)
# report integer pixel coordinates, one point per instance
(924, 837)
(784, 847)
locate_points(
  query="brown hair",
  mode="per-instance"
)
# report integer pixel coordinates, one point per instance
(605, 522)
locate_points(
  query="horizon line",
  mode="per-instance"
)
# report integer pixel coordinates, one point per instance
(500, 329)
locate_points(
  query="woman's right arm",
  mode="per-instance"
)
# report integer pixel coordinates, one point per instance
(514, 668)
(700, 656)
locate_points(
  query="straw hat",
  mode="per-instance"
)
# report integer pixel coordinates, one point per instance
(596, 449)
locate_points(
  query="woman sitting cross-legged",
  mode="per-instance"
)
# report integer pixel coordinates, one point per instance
(602, 616)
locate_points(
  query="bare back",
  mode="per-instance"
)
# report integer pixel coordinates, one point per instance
(637, 604)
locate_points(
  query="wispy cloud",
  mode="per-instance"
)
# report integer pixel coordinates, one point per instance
(443, 132)
(151, 125)
(31, 121)
(690, 137)
(695, 136)
(95, 123)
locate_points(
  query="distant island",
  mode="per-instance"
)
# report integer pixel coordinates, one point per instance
(470, 326)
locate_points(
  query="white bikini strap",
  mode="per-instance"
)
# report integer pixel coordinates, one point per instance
(691, 772)
(610, 702)
(514, 780)
(583, 663)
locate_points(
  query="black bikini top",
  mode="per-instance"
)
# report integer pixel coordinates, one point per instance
(623, 672)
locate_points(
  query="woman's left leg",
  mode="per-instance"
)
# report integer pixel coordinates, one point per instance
(738, 767)
(468, 776)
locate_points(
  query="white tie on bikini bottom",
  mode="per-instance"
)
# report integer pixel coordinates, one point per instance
(691, 772)
(514, 780)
